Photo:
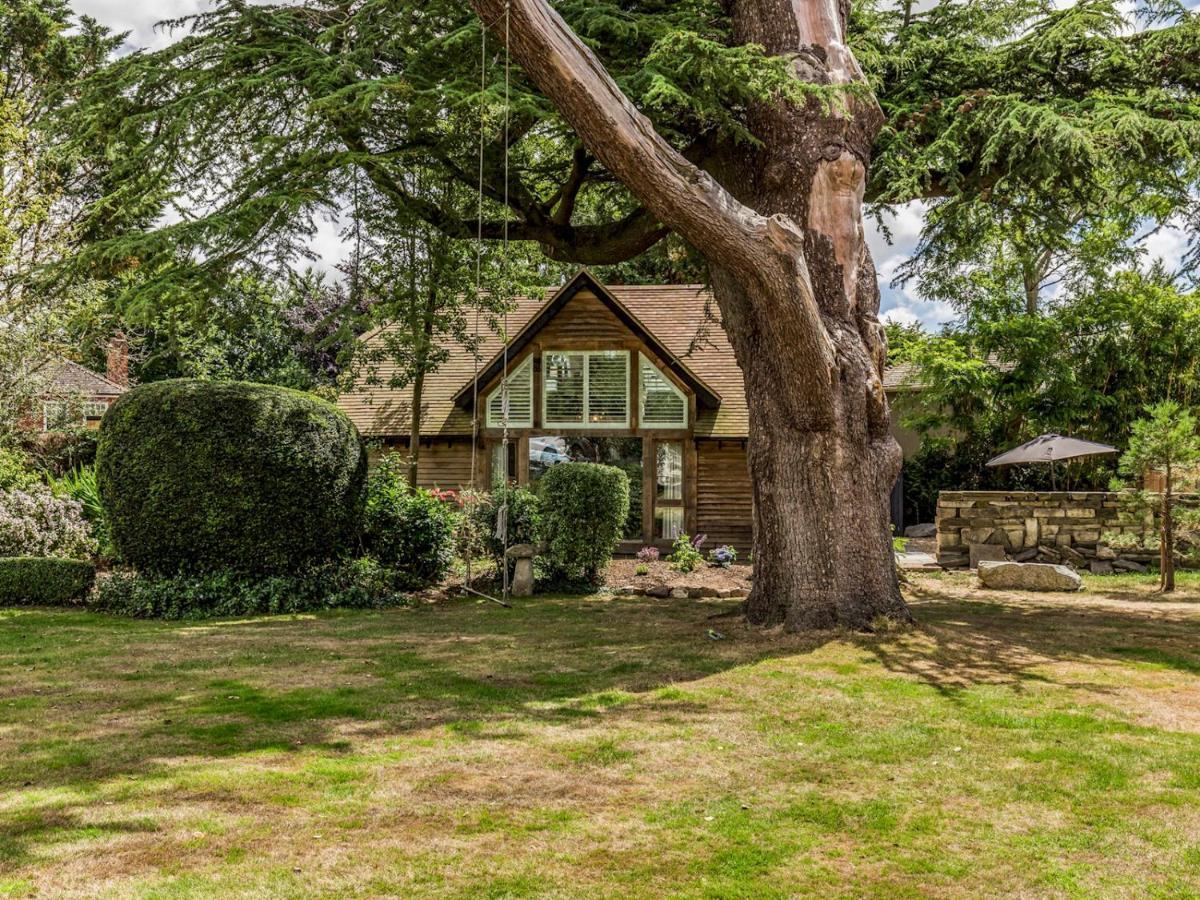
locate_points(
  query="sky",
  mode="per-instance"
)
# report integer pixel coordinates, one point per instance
(903, 305)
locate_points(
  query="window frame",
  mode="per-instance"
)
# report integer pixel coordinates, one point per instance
(683, 397)
(584, 424)
(527, 364)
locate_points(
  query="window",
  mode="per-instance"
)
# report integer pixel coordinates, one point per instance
(586, 389)
(72, 413)
(520, 399)
(504, 464)
(662, 404)
(668, 492)
(623, 452)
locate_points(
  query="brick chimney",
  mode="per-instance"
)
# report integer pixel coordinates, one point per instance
(117, 368)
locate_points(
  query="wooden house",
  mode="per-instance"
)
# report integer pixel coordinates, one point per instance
(636, 376)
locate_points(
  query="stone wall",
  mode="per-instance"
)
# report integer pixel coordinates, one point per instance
(1059, 527)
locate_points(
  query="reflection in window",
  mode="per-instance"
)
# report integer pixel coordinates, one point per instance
(668, 522)
(670, 471)
(625, 453)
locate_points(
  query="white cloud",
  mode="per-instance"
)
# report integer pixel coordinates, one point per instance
(1166, 244)
(139, 19)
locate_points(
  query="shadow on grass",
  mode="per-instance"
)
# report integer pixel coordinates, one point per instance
(993, 641)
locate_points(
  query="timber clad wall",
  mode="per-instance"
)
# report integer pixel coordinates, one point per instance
(724, 504)
(585, 321)
(444, 464)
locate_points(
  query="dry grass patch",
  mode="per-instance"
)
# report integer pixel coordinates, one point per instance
(571, 747)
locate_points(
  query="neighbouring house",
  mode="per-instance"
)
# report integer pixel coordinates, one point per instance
(79, 397)
(635, 376)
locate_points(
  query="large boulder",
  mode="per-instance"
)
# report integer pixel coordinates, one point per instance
(1013, 576)
(924, 530)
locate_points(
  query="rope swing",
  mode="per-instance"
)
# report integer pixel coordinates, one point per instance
(501, 533)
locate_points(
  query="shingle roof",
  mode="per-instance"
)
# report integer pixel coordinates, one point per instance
(681, 317)
(70, 377)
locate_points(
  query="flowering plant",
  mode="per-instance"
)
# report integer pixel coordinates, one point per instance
(648, 555)
(722, 556)
(34, 522)
(684, 556)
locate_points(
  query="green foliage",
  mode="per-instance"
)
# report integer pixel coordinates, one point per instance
(16, 471)
(347, 584)
(685, 556)
(47, 581)
(524, 519)
(411, 532)
(80, 485)
(205, 476)
(1165, 441)
(584, 506)
(641, 569)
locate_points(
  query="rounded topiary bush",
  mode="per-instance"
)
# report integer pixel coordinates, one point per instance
(584, 506)
(201, 476)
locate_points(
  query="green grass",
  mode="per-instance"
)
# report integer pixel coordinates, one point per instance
(607, 747)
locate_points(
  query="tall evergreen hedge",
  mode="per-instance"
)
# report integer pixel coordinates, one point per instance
(200, 476)
(584, 506)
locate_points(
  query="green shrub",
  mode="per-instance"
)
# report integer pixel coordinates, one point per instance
(44, 580)
(16, 471)
(524, 520)
(348, 584)
(685, 554)
(80, 485)
(200, 476)
(584, 506)
(411, 532)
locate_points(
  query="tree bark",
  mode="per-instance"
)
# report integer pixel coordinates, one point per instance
(781, 228)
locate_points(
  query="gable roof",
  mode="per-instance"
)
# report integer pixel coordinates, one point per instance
(677, 318)
(706, 397)
(70, 377)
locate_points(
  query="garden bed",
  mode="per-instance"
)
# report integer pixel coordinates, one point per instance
(661, 580)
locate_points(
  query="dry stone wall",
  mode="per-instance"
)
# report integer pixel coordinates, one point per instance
(1056, 527)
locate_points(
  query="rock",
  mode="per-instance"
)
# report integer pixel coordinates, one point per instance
(1128, 565)
(629, 590)
(1026, 555)
(1087, 551)
(705, 592)
(1012, 576)
(658, 590)
(1101, 567)
(679, 593)
(726, 593)
(1105, 552)
(1070, 554)
(981, 552)
(952, 560)
(924, 530)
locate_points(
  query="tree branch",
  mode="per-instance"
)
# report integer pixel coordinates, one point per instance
(674, 191)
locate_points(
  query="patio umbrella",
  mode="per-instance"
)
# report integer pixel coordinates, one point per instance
(1049, 448)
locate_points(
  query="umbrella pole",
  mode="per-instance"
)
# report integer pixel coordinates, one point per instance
(1053, 478)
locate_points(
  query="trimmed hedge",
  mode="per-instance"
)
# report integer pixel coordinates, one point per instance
(43, 580)
(584, 506)
(524, 521)
(201, 476)
(350, 584)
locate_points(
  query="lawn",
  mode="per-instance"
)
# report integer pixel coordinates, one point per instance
(608, 748)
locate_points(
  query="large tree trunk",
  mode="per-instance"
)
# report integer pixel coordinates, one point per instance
(781, 228)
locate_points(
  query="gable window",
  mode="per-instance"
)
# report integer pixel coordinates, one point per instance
(520, 399)
(586, 389)
(662, 404)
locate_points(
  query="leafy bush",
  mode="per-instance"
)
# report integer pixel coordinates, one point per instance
(482, 511)
(648, 554)
(206, 477)
(44, 580)
(685, 556)
(16, 473)
(58, 452)
(584, 506)
(36, 523)
(412, 532)
(80, 485)
(641, 569)
(349, 584)
(722, 557)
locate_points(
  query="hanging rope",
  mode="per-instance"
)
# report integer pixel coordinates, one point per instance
(502, 512)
